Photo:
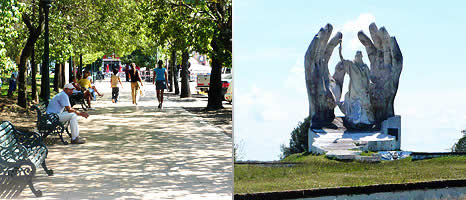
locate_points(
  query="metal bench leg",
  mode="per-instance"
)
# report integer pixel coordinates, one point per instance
(68, 132)
(38, 193)
(48, 171)
(61, 136)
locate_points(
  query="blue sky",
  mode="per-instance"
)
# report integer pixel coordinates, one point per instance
(269, 42)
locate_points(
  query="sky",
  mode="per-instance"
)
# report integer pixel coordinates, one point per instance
(271, 37)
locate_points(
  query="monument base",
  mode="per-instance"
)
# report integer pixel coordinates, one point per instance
(347, 144)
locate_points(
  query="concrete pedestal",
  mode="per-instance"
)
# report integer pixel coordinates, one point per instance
(348, 144)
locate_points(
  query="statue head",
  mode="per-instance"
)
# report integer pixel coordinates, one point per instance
(358, 57)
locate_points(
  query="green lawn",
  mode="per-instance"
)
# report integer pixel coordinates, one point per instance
(319, 172)
(6, 85)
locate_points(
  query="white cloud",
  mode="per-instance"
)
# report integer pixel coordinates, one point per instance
(351, 28)
(296, 78)
(351, 42)
(270, 113)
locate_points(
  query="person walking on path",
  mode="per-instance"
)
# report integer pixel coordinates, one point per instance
(135, 81)
(114, 84)
(59, 103)
(127, 73)
(161, 83)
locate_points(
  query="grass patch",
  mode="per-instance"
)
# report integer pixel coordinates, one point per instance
(367, 153)
(6, 85)
(319, 172)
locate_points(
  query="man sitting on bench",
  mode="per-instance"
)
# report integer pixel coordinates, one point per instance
(61, 102)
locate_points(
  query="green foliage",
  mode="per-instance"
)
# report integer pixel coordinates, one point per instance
(299, 139)
(10, 15)
(141, 59)
(367, 153)
(460, 146)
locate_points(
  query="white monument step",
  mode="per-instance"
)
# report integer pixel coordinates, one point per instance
(344, 144)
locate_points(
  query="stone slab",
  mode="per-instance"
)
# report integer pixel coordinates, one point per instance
(342, 154)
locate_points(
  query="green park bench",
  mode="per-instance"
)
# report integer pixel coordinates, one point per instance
(49, 124)
(20, 154)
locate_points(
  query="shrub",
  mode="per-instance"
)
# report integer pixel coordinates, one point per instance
(460, 146)
(299, 139)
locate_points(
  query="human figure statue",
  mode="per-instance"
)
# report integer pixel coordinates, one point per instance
(357, 105)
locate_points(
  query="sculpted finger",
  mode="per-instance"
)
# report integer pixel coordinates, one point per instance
(331, 45)
(312, 49)
(397, 60)
(310, 57)
(324, 35)
(370, 48)
(375, 37)
(386, 40)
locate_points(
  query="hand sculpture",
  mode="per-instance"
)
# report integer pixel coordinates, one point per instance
(367, 102)
(386, 63)
(320, 84)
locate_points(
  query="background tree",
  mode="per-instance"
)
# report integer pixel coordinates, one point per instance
(460, 146)
(10, 16)
(221, 14)
(34, 31)
(299, 139)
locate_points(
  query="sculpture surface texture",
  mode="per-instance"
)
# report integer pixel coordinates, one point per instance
(371, 92)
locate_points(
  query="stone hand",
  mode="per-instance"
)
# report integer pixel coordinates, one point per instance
(386, 63)
(318, 80)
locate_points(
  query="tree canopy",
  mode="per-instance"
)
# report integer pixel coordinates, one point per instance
(143, 31)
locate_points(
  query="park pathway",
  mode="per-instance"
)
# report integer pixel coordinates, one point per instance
(140, 152)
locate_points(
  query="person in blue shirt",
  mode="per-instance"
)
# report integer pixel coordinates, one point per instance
(161, 83)
(60, 104)
(13, 79)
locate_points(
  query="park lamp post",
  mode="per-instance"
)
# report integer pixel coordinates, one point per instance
(45, 80)
(71, 67)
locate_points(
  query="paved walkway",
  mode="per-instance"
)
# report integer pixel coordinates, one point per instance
(140, 152)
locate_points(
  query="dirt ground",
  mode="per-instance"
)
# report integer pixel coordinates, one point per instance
(22, 118)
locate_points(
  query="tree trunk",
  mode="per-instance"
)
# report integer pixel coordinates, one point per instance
(22, 70)
(34, 33)
(63, 76)
(185, 91)
(174, 72)
(56, 77)
(215, 88)
(71, 68)
(22, 99)
(33, 77)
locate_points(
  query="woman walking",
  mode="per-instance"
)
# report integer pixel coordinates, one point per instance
(161, 83)
(135, 78)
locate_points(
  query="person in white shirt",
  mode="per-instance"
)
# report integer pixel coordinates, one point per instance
(59, 103)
